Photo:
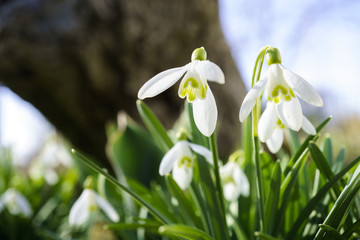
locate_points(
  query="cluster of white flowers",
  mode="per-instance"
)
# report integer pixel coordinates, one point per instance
(282, 110)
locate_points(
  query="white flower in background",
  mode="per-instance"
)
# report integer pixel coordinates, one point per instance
(283, 87)
(88, 202)
(15, 202)
(52, 159)
(193, 86)
(271, 128)
(235, 182)
(180, 160)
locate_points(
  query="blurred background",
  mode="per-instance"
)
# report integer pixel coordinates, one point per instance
(47, 46)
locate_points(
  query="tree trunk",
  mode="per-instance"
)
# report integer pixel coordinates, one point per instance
(81, 61)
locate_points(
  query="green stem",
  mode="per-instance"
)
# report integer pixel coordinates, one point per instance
(215, 156)
(255, 119)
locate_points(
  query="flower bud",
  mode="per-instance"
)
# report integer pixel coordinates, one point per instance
(273, 56)
(89, 183)
(199, 54)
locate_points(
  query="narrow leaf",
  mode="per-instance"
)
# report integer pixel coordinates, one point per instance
(179, 230)
(154, 126)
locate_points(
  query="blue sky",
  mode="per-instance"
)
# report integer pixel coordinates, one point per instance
(319, 40)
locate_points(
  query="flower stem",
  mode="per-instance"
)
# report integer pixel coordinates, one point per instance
(256, 143)
(215, 155)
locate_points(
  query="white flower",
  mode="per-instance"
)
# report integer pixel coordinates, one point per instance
(180, 160)
(88, 202)
(16, 203)
(235, 182)
(283, 87)
(271, 128)
(193, 86)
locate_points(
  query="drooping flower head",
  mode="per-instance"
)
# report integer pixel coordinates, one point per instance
(180, 160)
(193, 87)
(283, 87)
(15, 202)
(89, 202)
(271, 129)
(234, 180)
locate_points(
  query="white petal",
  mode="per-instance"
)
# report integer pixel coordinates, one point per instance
(210, 71)
(205, 113)
(177, 151)
(302, 88)
(202, 151)
(242, 183)
(79, 212)
(182, 176)
(250, 99)
(308, 127)
(231, 192)
(107, 208)
(161, 82)
(290, 113)
(267, 122)
(274, 143)
(23, 205)
(1, 205)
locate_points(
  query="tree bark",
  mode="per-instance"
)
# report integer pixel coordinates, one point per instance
(81, 61)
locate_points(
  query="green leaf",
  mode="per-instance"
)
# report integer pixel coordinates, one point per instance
(312, 204)
(114, 181)
(187, 208)
(286, 189)
(154, 126)
(342, 205)
(323, 165)
(327, 150)
(354, 228)
(212, 202)
(273, 197)
(331, 231)
(294, 141)
(179, 230)
(133, 153)
(305, 144)
(264, 236)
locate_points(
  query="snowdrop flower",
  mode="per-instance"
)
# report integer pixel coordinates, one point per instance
(180, 160)
(88, 202)
(283, 88)
(16, 203)
(271, 128)
(193, 86)
(235, 182)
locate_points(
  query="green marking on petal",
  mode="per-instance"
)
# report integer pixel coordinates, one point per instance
(287, 97)
(185, 161)
(192, 88)
(292, 93)
(278, 88)
(228, 179)
(192, 82)
(280, 124)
